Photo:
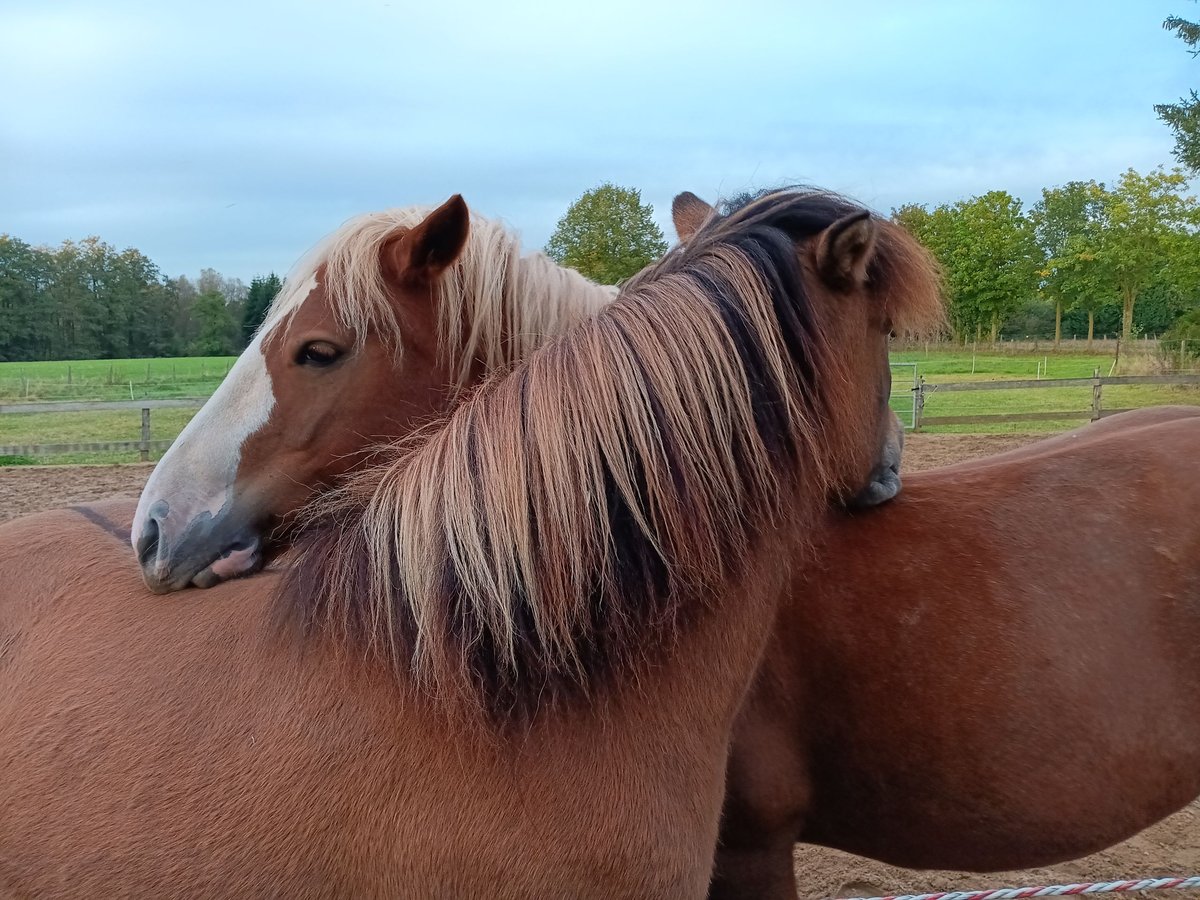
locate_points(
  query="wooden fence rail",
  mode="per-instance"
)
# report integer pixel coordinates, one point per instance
(144, 445)
(1097, 411)
(921, 391)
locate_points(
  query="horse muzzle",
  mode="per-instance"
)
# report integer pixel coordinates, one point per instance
(176, 551)
(885, 482)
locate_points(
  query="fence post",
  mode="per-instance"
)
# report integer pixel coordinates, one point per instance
(918, 401)
(144, 449)
(1096, 385)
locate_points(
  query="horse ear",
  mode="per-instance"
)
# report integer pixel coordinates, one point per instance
(845, 249)
(425, 251)
(689, 213)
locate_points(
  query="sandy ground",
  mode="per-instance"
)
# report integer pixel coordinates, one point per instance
(1170, 848)
(27, 489)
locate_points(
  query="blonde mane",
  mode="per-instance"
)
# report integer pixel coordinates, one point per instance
(576, 511)
(494, 305)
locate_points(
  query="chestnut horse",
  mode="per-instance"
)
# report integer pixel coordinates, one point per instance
(997, 670)
(373, 335)
(507, 660)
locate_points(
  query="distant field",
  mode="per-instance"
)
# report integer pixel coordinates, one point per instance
(82, 427)
(199, 377)
(937, 364)
(112, 379)
(942, 366)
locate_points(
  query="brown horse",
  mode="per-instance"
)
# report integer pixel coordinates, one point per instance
(519, 646)
(374, 334)
(997, 670)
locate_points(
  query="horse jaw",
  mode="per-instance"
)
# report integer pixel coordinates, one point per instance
(189, 527)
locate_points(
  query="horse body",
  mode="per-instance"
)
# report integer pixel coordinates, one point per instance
(999, 669)
(173, 749)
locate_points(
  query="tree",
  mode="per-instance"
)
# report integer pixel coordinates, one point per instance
(607, 235)
(1183, 118)
(26, 325)
(1068, 222)
(181, 296)
(87, 300)
(258, 300)
(217, 330)
(1145, 216)
(987, 249)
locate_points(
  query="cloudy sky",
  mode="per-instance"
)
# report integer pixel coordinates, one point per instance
(236, 134)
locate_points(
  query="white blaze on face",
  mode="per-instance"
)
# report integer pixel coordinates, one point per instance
(196, 475)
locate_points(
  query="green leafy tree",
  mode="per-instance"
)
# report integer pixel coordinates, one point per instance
(1183, 117)
(1145, 216)
(25, 320)
(607, 235)
(1069, 222)
(75, 296)
(181, 297)
(258, 300)
(216, 327)
(988, 252)
(997, 259)
(86, 299)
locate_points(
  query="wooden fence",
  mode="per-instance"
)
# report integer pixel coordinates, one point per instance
(920, 391)
(1096, 411)
(144, 445)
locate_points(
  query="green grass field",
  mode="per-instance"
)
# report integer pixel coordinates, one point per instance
(111, 379)
(199, 377)
(942, 366)
(958, 365)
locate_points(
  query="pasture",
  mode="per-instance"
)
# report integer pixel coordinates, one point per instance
(101, 379)
(199, 376)
(112, 379)
(956, 365)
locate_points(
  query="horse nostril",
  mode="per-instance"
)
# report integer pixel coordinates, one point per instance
(147, 546)
(150, 542)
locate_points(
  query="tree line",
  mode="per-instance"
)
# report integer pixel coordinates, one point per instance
(1123, 258)
(88, 300)
(1126, 257)
(1085, 259)
(1087, 256)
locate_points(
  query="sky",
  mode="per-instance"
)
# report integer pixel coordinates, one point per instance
(235, 135)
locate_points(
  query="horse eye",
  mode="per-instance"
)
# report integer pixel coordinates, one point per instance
(318, 354)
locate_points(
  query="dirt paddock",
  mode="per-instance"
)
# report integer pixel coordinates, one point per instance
(1170, 848)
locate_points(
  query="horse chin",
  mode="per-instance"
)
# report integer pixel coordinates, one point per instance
(203, 553)
(885, 484)
(237, 561)
(885, 480)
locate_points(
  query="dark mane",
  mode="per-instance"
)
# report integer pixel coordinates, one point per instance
(574, 514)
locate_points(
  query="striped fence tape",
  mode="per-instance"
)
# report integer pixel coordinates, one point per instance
(1191, 882)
